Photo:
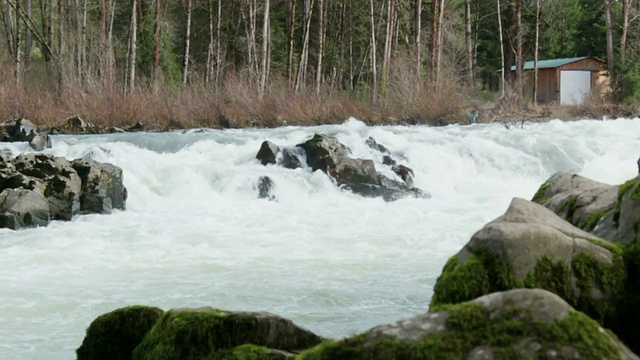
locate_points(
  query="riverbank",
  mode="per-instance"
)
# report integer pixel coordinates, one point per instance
(237, 105)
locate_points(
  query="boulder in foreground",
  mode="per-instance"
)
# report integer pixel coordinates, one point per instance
(516, 324)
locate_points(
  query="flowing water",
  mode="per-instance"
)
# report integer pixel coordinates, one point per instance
(194, 233)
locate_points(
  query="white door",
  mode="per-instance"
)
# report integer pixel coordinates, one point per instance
(574, 86)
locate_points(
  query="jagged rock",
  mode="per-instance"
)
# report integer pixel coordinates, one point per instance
(323, 152)
(40, 142)
(265, 188)
(54, 179)
(388, 160)
(21, 208)
(607, 211)
(267, 153)
(68, 188)
(291, 157)
(372, 143)
(405, 173)
(114, 335)
(102, 183)
(214, 334)
(76, 124)
(530, 246)
(17, 130)
(516, 324)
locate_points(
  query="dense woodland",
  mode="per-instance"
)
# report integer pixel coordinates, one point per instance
(271, 62)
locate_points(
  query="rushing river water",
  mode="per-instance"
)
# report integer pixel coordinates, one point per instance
(194, 233)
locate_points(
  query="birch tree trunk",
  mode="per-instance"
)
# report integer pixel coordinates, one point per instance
(502, 69)
(418, 34)
(469, 43)
(27, 35)
(291, 43)
(435, 8)
(155, 74)
(536, 53)
(17, 51)
(372, 21)
(610, 53)
(132, 47)
(440, 40)
(519, 62)
(265, 49)
(625, 29)
(218, 37)
(304, 57)
(187, 43)
(320, 45)
(208, 75)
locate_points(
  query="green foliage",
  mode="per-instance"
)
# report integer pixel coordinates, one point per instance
(593, 219)
(540, 196)
(553, 276)
(622, 191)
(114, 335)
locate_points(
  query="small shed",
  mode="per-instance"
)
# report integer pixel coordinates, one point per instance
(564, 81)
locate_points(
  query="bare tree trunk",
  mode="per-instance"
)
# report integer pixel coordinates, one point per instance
(265, 49)
(418, 30)
(8, 25)
(470, 70)
(208, 76)
(83, 40)
(304, 57)
(187, 43)
(440, 41)
(536, 53)
(502, 69)
(131, 67)
(519, 62)
(374, 92)
(27, 35)
(291, 44)
(18, 70)
(218, 47)
(320, 45)
(110, 56)
(625, 29)
(435, 8)
(156, 47)
(388, 43)
(610, 53)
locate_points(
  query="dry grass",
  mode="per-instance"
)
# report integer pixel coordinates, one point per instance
(236, 103)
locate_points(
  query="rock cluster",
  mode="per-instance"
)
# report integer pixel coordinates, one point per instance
(37, 188)
(546, 280)
(360, 176)
(24, 130)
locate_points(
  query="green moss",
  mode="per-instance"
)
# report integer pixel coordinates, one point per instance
(251, 352)
(622, 190)
(569, 209)
(593, 219)
(481, 273)
(608, 278)
(540, 196)
(551, 275)
(200, 334)
(471, 325)
(114, 335)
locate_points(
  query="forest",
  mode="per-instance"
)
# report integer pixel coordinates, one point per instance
(236, 63)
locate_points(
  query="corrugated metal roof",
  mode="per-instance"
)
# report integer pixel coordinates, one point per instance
(552, 63)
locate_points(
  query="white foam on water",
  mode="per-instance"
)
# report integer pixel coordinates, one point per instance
(195, 233)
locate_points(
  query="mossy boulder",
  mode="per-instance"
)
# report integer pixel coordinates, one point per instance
(626, 215)
(517, 324)
(211, 333)
(114, 335)
(530, 246)
(585, 203)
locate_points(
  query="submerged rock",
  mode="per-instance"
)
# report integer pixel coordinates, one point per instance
(265, 188)
(516, 324)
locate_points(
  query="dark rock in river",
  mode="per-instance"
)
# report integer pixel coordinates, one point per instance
(22, 208)
(23, 130)
(267, 153)
(67, 187)
(516, 324)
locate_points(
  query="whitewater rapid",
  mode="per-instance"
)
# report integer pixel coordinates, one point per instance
(194, 233)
